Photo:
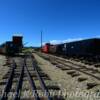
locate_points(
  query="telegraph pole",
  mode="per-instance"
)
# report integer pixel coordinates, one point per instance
(41, 39)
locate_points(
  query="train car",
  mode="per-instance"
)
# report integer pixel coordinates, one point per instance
(60, 49)
(17, 43)
(9, 48)
(96, 46)
(86, 47)
(53, 49)
(46, 47)
(12, 47)
(17, 40)
(49, 48)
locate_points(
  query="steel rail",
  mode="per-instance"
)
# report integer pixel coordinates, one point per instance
(80, 70)
(9, 82)
(36, 96)
(19, 85)
(43, 86)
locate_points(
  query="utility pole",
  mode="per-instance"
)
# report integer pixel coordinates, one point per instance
(41, 39)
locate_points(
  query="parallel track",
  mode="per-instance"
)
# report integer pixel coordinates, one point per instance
(70, 65)
(43, 86)
(23, 69)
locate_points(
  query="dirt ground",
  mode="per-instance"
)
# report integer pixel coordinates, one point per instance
(71, 88)
(3, 69)
(3, 66)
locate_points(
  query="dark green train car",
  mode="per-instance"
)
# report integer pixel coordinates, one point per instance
(9, 48)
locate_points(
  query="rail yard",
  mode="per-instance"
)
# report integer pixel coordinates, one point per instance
(70, 71)
(49, 49)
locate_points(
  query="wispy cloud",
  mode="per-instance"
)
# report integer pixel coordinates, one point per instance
(72, 39)
(64, 41)
(98, 36)
(17, 34)
(55, 41)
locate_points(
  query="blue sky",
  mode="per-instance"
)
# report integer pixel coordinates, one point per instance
(59, 19)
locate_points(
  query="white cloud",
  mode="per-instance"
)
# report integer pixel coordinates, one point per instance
(17, 34)
(55, 41)
(98, 36)
(72, 39)
(64, 41)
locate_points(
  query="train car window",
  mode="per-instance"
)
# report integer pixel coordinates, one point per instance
(64, 45)
(72, 47)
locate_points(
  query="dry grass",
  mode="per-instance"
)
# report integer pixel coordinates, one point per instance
(67, 82)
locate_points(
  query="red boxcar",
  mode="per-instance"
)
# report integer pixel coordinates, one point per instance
(45, 48)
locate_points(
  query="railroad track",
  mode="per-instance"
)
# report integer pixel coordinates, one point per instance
(43, 86)
(24, 68)
(75, 69)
